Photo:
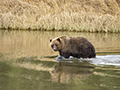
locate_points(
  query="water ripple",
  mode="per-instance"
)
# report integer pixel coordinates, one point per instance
(106, 60)
(113, 60)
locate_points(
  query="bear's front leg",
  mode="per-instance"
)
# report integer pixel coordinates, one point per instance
(64, 54)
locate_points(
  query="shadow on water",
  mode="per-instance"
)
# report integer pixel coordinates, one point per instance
(28, 63)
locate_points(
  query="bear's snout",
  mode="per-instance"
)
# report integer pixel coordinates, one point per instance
(54, 47)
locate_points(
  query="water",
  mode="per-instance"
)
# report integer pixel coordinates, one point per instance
(28, 63)
(113, 60)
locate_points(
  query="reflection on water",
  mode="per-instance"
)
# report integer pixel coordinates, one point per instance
(62, 76)
(28, 63)
(70, 72)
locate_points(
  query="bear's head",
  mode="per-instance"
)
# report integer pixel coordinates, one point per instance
(55, 44)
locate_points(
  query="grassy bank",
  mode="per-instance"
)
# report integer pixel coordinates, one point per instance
(70, 15)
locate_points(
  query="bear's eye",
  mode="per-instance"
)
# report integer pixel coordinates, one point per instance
(56, 45)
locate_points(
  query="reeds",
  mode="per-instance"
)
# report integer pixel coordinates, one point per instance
(70, 15)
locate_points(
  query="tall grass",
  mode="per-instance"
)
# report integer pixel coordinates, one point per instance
(70, 15)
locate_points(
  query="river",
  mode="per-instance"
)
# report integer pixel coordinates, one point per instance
(28, 63)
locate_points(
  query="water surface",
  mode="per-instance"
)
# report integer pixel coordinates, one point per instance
(28, 63)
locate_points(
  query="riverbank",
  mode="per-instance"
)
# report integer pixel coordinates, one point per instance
(68, 15)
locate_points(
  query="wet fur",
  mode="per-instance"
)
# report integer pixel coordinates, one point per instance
(79, 47)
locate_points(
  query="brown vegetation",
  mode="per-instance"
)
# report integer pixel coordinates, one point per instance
(78, 15)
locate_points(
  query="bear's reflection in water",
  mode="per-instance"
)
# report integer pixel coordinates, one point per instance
(71, 71)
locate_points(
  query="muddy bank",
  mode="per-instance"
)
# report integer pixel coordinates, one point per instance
(71, 15)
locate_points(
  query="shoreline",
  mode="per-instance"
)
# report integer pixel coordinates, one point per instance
(58, 30)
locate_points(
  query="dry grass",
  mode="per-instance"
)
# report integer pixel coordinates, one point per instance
(71, 15)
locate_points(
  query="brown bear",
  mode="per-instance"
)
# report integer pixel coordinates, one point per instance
(77, 46)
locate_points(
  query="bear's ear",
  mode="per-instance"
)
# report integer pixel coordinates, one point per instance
(50, 40)
(59, 40)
